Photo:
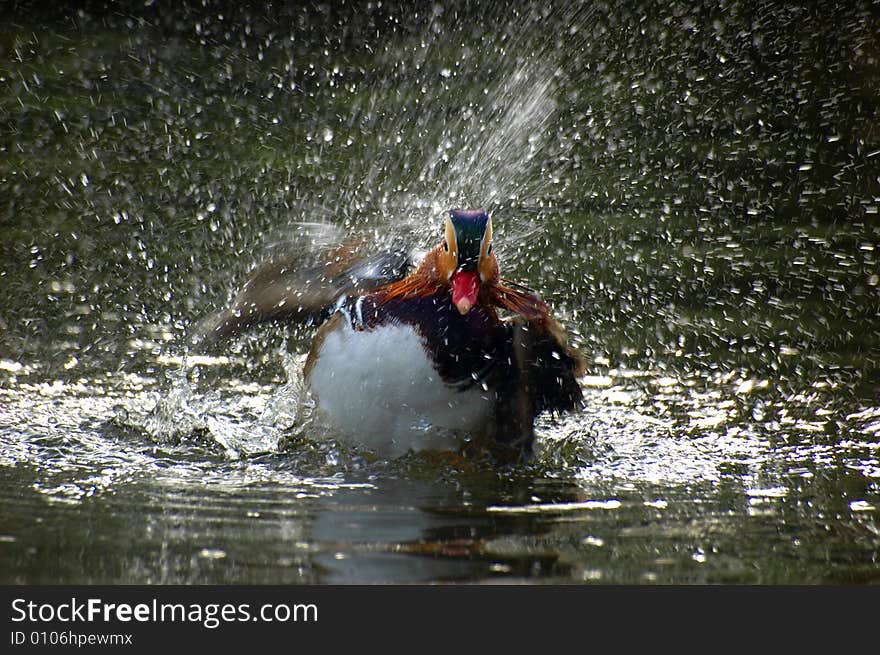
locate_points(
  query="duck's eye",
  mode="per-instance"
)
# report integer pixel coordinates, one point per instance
(445, 245)
(489, 251)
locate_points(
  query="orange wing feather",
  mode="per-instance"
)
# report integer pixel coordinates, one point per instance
(424, 281)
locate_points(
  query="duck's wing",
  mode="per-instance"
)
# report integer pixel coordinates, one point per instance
(542, 374)
(286, 289)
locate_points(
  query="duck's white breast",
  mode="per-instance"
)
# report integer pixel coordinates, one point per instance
(380, 388)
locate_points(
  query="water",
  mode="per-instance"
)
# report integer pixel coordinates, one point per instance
(695, 190)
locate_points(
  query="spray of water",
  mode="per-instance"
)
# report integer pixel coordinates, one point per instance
(419, 137)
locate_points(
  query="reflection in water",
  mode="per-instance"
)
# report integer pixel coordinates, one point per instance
(694, 188)
(618, 496)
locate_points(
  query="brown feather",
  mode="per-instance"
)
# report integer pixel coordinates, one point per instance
(495, 292)
(424, 281)
(529, 305)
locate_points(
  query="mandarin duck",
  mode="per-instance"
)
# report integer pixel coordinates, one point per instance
(419, 359)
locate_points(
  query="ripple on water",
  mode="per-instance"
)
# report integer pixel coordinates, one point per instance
(641, 426)
(85, 438)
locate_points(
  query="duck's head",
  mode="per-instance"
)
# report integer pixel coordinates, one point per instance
(465, 258)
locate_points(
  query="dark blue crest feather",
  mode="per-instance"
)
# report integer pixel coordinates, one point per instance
(470, 226)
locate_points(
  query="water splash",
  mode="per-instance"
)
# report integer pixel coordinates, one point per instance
(467, 120)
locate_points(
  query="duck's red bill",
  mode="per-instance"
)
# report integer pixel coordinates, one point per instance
(465, 286)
